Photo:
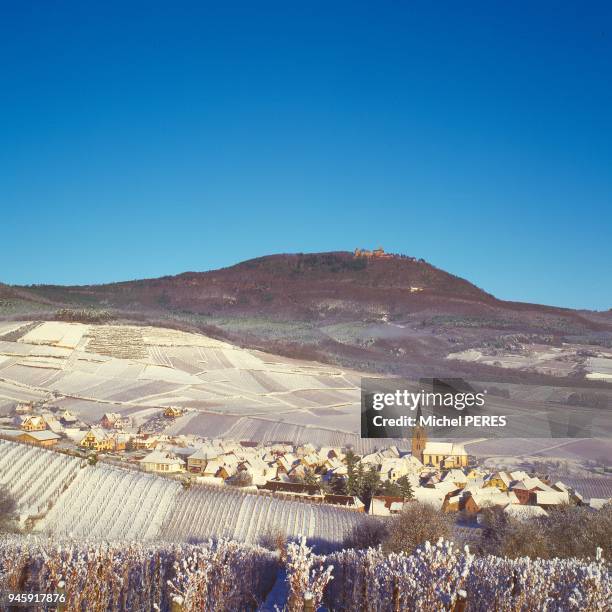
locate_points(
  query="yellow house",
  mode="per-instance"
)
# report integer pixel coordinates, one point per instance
(499, 480)
(445, 454)
(475, 474)
(172, 413)
(39, 438)
(98, 440)
(33, 423)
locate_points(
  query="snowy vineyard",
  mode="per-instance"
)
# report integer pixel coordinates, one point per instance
(433, 578)
(211, 512)
(131, 576)
(70, 498)
(226, 576)
(35, 478)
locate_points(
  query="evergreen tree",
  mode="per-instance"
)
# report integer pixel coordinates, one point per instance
(391, 489)
(359, 476)
(310, 478)
(405, 487)
(352, 486)
(337, 485)
(370, 485)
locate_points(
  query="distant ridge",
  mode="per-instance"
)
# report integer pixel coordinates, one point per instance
(367, 311)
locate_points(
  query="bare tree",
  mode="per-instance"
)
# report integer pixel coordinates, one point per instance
(568, 531)
(415, 525)
(367, 533)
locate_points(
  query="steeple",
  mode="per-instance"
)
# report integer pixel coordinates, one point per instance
(419, 437)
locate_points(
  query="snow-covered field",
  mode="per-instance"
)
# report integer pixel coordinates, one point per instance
(69, 498)
(228, 391)
(96, 368)
(557, 361)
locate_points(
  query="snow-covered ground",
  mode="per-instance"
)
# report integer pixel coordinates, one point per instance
(118, 368)
(68, 497)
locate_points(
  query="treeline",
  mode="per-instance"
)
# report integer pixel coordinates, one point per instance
(84, 315)
(567, 532)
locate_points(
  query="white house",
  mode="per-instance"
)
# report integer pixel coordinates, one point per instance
(161, 461)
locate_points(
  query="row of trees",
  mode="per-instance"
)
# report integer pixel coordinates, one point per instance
(569, 531)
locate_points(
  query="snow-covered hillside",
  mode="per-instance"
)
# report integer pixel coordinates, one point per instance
(103, 501)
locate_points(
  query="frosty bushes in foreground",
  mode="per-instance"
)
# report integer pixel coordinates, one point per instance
(226, 576)
(304, 576)
(431, 579)
(220, 577)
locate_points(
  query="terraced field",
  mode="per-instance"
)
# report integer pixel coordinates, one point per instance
(70, 498)
(227, 391)
(34, 478)
(92, 369)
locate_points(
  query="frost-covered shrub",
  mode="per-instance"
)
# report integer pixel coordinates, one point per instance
(304, 576)
(97, 576)
(223, 577)
(416, 524)
(433, 578)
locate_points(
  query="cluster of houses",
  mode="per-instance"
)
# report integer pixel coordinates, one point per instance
(440, 473)
(471, 491)
(47, 427)
(282, 470)
(218, 461)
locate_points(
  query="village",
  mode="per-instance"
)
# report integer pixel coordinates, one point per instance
(381, 483)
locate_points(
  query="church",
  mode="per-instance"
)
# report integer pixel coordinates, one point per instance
(444, 455)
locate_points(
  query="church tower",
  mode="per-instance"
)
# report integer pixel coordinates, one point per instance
(419, 437)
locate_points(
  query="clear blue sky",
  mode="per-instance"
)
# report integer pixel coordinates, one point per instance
(144, 139)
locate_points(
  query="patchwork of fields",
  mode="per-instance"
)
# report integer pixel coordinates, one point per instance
(595, 363)
(228, 391)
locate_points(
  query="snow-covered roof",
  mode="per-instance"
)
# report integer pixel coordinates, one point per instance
(160, 457)
(550, 498)
(485, 498)
(597, 504)
(41, 436)
(455, 475)
(446, 486)
(519, 475)
(473, 484)
(54, 425)
(530, 484)
(444, 448)
(99, 434)
(204, 453)
(432, 497)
